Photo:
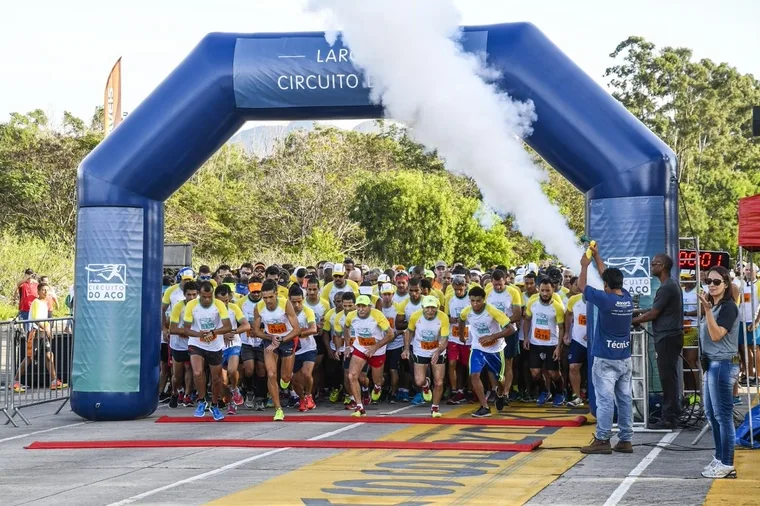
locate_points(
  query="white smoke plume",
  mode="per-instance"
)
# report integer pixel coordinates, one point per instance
(423, 78)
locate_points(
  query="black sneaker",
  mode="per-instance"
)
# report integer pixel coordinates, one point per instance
(293, 402)
(482, 412)
(501, 402)
(173, 402)
(164, 398)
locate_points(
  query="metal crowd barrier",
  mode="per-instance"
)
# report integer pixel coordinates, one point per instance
(35, 365)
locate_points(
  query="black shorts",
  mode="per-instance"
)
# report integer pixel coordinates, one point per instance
(284, 350)
(541, 358)
(248, 352)
(393, 358)
(512, 348)
(212, 358)
(180, 356)
(321, 350)
(165, 353)
(426, 360)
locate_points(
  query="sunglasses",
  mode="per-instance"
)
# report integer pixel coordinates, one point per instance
(204, 278)
(713, 281)
(338, 276)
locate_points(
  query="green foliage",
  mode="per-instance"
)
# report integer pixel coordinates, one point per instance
(702, 110)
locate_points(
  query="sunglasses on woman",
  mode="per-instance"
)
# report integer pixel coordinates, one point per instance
(713, 281)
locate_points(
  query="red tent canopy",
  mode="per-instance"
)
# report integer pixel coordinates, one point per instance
(749, 223)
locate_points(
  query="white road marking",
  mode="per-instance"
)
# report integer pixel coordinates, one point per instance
(619, 492)
(399, 410)
(222, 469)
(20, 436)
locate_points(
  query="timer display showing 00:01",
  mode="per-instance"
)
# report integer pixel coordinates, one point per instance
(687, 259)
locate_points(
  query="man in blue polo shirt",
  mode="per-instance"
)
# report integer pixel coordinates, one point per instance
(611, 349)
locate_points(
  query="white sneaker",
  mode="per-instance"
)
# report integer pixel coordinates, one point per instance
(720, 471)
(712, 464)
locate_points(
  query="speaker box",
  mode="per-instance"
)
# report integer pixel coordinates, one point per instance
(756, 121)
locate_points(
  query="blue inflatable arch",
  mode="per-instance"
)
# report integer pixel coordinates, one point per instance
(625, 171)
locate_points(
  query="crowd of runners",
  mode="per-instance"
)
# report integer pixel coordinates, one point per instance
(279, 336)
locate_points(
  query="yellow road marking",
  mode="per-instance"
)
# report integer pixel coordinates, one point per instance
(433, 477)
(745, 489)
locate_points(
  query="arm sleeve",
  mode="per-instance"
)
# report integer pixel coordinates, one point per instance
(222, 309)
(189, 311)
(310, 316)
(560, 310)
(177, 313)
(501, 318)
(237, 312)
(413, 320)
(592, 295)
(727, 316)
(445, 324)
(381, 320)
(465, 312)
(167, 298)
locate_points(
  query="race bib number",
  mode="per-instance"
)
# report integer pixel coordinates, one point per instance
(455, 331)
(428, 345)
(392, 322)
(207, 324)
(276, 328)
(747, 297)
(582, 319)
(367, 341)
(351, 341)
(542, 334)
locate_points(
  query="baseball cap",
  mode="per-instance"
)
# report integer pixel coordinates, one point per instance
(365, 290)
(339, 269)
(399, 267)
(328, 265)
(519, 279)
(254, 287)
(429, 274)
(363, 300)
(387, 288)
(476, 272)
(440, 263)
(186, 273)
(383, 278)
(429, 301)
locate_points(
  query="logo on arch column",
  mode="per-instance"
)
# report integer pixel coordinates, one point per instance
(637, 273)
(106, 282)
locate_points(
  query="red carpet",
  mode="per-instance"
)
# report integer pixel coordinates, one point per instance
(496, 422)
(284, 443)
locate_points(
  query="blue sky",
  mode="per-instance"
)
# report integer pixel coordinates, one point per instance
(56, 55)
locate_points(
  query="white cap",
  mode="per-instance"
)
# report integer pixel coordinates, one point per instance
(383, 278)
(339, 269)
(365, 290)
(521, 271)
(387, 288)
(328, 265)
(533, 267)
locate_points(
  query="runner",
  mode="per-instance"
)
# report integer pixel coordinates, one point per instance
(508, 300)
(334, 364)
(345, 343)
(320, 307)
(276, 324)
(182, 370)
(251, 354)
(575, 337)
(232, 346)
(406, 308)
(428, 332)
(529, 290)
(273, 274)
(244, 274)
(489, 331)
(306, 354)
(339, 284)
(402, 287)
(458, 348)
(171, 297)
(544, 323)
(371, 333)
(206, 321)
(396, 347)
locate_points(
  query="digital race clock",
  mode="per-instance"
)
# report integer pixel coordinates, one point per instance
(687, 259)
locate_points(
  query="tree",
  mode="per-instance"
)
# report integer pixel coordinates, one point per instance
(702, 110)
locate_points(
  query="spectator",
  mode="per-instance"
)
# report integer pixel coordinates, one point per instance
(666, 316)
(719, 337)
(27, 293)
(52, 298)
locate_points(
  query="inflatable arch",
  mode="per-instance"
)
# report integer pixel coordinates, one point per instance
(625, 171)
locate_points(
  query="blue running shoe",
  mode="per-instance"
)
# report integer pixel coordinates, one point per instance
(404, 396)
(418, 400)
(543, 397)
(217, 413)
(559, 400)
(200, 409)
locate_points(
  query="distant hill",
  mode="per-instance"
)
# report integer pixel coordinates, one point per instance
(261, 140)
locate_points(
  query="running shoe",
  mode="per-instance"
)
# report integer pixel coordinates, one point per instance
(270, 402)
(237, 399)
(418, 400)
(334, 394)
(346, 399)
(310, 402)
(737, 400)
(482, 412)
(173, 402)
(392, 399)
(366, 400)
(279, 415)
(302, 406)
(720, 470)
(435, 412)
(501, 401)
(19, 388)
(250, 400)
(457, 398)
(514, 395)
(559, 400)
(259, 405)
(162, 398)
(200, 410)
(188, 401)
(404, 395)
(376, 392)
(427, 395)
(712, 464)
(359, 412)
(293, 402)
(525, 397)
(217, 413)
(543, 397)
(491, 395)
(232, 409)
(575, 402)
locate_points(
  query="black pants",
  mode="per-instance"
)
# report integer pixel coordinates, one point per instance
(668, 354)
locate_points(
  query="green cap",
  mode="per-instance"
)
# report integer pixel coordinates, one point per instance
(363, 300)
